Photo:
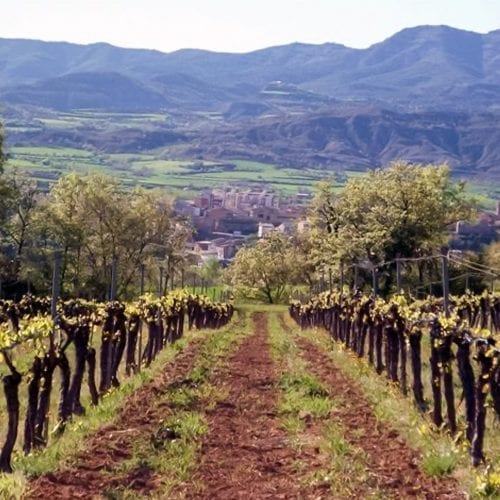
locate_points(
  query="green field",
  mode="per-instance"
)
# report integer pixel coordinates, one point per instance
(46, 164)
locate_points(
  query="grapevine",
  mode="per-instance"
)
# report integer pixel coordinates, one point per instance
(390, 329)
(28, 323)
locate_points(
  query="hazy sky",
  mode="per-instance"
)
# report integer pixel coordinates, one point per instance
(235, 25)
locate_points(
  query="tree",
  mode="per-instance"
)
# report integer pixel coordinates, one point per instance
(402, 210)
(265, 269)
(306, 259)
(4, 191)
(492, 256)
(61, 223)
(18, 208)
(92, 220)
(4, 194)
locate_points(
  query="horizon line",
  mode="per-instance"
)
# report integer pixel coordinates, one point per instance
(118, 46)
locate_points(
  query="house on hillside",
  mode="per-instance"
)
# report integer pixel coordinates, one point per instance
(287, 227)
(188, 208)
(266, 214)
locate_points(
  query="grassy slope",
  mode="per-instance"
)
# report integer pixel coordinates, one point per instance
(46, 164)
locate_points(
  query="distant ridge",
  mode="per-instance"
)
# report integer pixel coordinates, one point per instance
(427, 66)
(427, 93)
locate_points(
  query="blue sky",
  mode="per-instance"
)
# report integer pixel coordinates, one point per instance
(236, 25)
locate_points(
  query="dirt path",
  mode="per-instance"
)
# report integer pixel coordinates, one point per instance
(245, 454)
(92, 471)
(393, 466)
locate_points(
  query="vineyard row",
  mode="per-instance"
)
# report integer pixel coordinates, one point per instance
(28, 326)
(385, 332)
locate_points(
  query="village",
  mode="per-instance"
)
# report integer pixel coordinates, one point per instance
(225, 219)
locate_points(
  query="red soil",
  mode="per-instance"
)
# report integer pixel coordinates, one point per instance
(393, 465)
(245, 454)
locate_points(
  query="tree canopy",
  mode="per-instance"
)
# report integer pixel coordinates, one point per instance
(90, 220)
(211, 272)
(263, 270)
(3, 186)
(401, 210)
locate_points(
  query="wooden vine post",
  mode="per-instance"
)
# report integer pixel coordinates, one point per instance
(446, 283)
(481, 391)
(49, 363)
(114, 274)
(160, 285)
(139, 353)
(56, 290)
(341, 278)
(374, 281)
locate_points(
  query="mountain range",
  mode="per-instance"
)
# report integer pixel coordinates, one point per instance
(429, 93)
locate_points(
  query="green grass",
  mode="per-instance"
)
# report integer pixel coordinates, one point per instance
(305, 395)
(440, 462)
(61, 123)
(12, 486)
(48, 151)
(486, 194)
(347, 468)
(172, 459)
(149, 170)
(171, 174)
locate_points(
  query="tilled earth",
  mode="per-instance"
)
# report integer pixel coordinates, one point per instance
(245, 453)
